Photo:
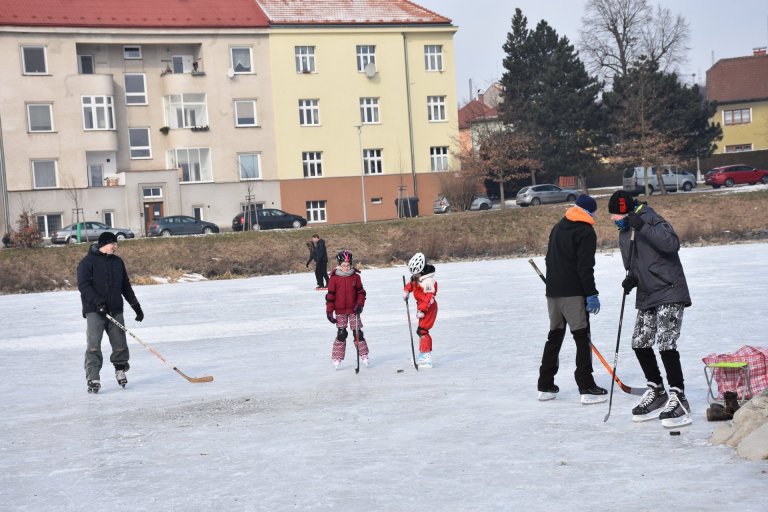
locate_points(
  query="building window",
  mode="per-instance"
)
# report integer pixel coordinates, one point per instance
(365, 54)
(85, 64)
(135, 89)
(96, 175)
(250, 166)
(34, 60)
(109, 218)
(152, 192)
(313, 163)
(48, 224)
(131, 52)
(245, 113)
(44, 174)
(436, 108)
(98, 113)
(139, 142)
(242, 59)
(195, 164)
(376, 200)
(439, 157)
(316, 211)
(369, 110)
(739, 116)
(433, 57)
(309, 112)
(197, 212)
(305, 59)
(738, 148)
(185, 110)
(372, 162)
(40, 117)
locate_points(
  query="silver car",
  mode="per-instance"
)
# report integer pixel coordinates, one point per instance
(541, 194)
(89, 232)
(478, 203)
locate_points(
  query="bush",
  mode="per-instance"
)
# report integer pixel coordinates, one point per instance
(27, 234)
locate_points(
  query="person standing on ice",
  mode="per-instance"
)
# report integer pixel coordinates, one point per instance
(103, 282)
(318, 253)
(424, 288)
(346, 298)
(649, 249)
(571, 295)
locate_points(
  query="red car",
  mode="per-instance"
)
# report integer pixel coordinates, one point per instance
(730, 175)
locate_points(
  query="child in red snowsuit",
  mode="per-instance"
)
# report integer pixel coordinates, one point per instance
(346, 298)
(424, 289)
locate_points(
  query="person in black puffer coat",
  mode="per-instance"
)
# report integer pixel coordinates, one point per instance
(103, 282)
(571, 295)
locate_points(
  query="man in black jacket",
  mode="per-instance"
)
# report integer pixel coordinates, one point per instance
(318, 253)
(103, 282)
(570, 282)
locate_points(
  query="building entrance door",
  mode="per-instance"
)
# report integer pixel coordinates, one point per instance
(151, 212)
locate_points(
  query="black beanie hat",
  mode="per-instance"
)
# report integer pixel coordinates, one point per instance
(621, 202)
(107, 238)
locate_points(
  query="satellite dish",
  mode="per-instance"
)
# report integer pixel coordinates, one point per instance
(231, 73)
(370, 70)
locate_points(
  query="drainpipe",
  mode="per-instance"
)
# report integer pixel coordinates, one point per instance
(4, 184)
(410, 114)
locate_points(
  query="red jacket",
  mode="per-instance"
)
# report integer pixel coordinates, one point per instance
(424, 292)
(344, 293)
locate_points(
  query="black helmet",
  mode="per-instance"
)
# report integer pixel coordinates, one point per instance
(343, 256)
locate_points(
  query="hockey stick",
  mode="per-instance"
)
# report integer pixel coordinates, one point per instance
(207, 378)
(357, 341)
(621, 320)
(624, 387)
(410, 330)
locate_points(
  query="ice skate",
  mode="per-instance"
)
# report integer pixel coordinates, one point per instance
(677, 412)
(593, 395)
(424, 360)
(365, 361)
(336, 363)
(650, 404)
(120, 376)
(94, 386)
(549, 393)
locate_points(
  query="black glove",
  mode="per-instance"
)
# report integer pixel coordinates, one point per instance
(101, 309)
(634, 221)
(628, 284)
(329, 315)
(139, 313)
(358, 309)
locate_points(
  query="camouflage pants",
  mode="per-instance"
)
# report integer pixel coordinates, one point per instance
(658, 325)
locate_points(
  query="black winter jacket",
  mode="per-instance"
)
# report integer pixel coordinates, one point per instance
(103, 279)
(655, 262)
(571, 256)
(318, 252)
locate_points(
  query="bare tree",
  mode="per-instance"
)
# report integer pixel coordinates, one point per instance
(616, 33)
(74, 194)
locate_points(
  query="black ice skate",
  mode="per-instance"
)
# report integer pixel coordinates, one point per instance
(677, 412)
(120, 376)
(593, 395)
(650, 404)
(94, 386)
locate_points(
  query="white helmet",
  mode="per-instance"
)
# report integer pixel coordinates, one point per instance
(416, 264)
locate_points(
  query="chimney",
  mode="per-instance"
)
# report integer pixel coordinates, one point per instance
(759, 51)
(481, 98)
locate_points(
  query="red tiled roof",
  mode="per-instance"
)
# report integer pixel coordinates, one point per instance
(738, 79)
(133, 13)
(475, 110)
(337, 12)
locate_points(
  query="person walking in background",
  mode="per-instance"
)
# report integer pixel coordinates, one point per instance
(346, 298)
(318, 253)
(570, 282)
(653, 266)
(424, 288)
(103, 282)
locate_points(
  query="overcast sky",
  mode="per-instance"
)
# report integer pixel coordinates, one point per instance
(717, 29)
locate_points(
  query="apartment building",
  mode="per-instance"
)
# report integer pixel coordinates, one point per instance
(126, 112)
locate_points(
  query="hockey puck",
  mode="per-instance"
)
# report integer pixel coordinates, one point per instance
(675, 433)
(400, 371)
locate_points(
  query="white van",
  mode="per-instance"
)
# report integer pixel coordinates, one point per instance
(674, 179)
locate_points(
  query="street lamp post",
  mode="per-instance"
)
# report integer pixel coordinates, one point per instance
(362, 168)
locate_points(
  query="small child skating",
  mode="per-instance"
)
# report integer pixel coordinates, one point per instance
(424, 289)
(346, 298)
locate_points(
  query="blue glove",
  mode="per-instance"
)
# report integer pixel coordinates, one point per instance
(593, 304)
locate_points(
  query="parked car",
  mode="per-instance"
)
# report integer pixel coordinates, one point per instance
(478, 203)
(268, 218)
(89, 231)
(540, 194)
(180, 225)
(730, 175)
(674, 179)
